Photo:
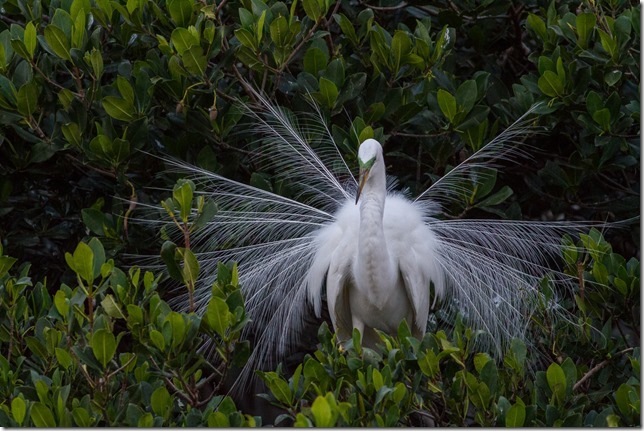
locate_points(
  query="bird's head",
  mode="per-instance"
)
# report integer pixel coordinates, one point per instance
(367, 155)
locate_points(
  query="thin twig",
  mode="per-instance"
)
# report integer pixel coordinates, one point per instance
(597, 368)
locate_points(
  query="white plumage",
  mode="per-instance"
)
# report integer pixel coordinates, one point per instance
(387, 258)
(378, 259)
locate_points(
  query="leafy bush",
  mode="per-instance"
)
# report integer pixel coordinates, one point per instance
(108, 351)
(442, 381)
(91, 91)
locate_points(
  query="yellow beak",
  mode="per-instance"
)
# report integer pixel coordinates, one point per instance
(364, 174)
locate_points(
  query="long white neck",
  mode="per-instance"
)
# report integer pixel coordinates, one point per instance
(374, 270)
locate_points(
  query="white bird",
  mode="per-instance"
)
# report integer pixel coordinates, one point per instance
(378, 261)
(376, 256)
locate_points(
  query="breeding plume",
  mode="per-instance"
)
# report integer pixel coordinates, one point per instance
(374, 255)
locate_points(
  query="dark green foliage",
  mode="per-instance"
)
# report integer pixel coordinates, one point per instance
(589, 377)
(108, 351)
(92, 90)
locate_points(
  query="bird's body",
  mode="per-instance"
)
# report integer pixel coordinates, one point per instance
(387, 258)
(377, 261)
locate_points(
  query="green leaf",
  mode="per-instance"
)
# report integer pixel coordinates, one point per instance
(82, 262)
(30, 39)
(279, 388)
(608, 43)
(623, 400)
(58, 42)
(182, 40)
(41, 415)
(611, 78)
(550, 84)
(312, 9)
(536, 24)
(246, 38)
(557, 382)
(118, 108)
(157, 339)
(63, 357)
(190, 269)
(96, 61)
(612, 421)
(72, 133)
(347, 27)
(161, 402)
(81, 417)
(218, 316)
(194, 60)
(183, 193)
(103, 346)
(6, 262)
(145, 421)
(78, 31)
(168, 250)
(19, 48)
(125, 88)
(111, 308)
(27, 99)
(444, 40)
(301, 421)
(61, 303)
(279, 31)
(18, 409)
(177, 328)
(602, 117)
(315, 60)
(218, 420)
(328, 92)
(260, 27)
(466, 96)
(428, 363)
(400, 47)
(497, 198)
(99, 255)
(585, 22)
(447, 104)
(593, 102)
(322, 414)
(36, 347)
(180, 11)
(515, 416)
(377, 379)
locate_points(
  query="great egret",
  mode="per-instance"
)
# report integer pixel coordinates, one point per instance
(375, 262)
(378, 262)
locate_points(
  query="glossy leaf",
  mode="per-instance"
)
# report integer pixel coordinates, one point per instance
(447, 104)
(58, 42)
(118, 108)
(515, 416)
(27, 100)
(585, 23)
(322, 413)
(103, 346)
(41, 415)
(550, 84)
(18, 409)
(30, 39)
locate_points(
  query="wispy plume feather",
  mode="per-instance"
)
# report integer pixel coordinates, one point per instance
(492, 268)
